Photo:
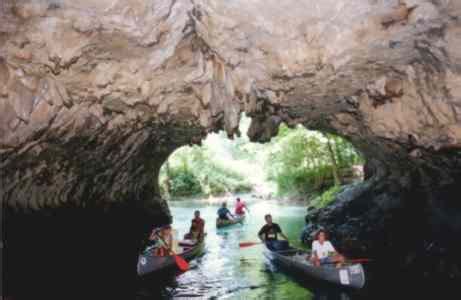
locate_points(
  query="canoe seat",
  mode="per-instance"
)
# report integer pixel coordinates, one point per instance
(187, 244)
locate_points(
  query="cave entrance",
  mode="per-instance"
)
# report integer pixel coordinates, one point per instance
(297, 163)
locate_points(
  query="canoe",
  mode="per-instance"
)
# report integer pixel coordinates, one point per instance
(224, 223)
(294, 260)
(148, 263)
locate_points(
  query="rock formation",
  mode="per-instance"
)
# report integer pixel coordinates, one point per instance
(95, 94)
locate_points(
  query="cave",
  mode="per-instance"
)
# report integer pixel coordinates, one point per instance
(96, 94)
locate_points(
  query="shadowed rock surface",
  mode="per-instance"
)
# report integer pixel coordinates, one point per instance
(94, 96)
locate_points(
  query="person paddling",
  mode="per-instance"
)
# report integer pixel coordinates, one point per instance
(224, 213)
(240, 207)
(164, 241)
(323, 251)
(197, 227)
(268, 234)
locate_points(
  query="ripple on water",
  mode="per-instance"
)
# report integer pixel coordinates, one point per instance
(227, 272)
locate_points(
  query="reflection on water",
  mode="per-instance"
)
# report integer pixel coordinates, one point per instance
(227, 272)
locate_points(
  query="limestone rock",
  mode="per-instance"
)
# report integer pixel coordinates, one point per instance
(95, 94)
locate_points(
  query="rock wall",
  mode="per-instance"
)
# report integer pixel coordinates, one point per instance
(94, 95)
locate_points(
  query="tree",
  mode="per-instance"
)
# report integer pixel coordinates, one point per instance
(305, 162)
(334, 165)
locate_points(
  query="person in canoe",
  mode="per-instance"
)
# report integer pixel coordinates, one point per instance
(197, 228)
(240, 207)
(224, 213)
(323, 251)
(163, 240)
(269, 233)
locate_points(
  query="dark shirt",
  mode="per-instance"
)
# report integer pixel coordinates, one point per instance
(270, 231)
(223, 212)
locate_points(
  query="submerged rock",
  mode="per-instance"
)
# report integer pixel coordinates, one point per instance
(95, 94)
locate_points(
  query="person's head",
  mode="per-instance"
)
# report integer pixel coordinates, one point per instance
(197, 213)
(238, 199)
(321, 235)
(224, 204)
(268, 219)
(166, 230)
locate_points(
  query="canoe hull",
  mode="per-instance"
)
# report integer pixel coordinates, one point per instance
(222, 224)
(351, 276)
(149, 264)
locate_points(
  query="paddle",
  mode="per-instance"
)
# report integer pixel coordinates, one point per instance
(248, 244)
(182, 264)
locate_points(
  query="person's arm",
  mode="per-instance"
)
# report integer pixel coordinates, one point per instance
(279, 231)
(314, 250)
(331, 248)
(229, 213)
(202, 228)
(261, 234)
(170, 241)
(160, 242)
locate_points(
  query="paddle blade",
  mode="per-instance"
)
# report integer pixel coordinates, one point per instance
(182, 264)
(248, 244)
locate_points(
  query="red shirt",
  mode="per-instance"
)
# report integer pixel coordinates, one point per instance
(198, 226)
(239, 208)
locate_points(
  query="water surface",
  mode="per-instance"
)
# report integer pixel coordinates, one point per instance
(227, 272)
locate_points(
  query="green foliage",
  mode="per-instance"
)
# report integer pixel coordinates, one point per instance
(194, 170)
(300, 162)
(217, 179)
(184, 183)
(297, 161)
(326, 197)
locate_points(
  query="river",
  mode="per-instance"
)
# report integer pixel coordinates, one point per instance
(225, 271)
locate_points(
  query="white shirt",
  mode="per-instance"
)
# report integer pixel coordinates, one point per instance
(322, 250)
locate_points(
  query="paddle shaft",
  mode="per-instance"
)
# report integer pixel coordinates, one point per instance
(248, 244)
